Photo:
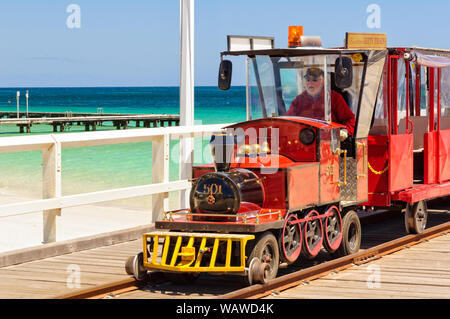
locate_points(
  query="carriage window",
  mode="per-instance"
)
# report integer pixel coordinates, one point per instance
(380, 121)
(401, 91)
(445, 98)
(445, 91)
(423, 91)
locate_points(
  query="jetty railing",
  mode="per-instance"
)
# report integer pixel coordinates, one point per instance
(53, 202)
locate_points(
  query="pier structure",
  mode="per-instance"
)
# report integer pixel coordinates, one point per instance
(89, 120)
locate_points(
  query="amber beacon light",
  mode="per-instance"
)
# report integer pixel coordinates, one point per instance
(295, 32)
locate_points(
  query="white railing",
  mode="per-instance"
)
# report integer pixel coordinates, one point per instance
(53, 202)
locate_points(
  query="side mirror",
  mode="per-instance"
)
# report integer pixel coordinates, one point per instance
(225, 74)
(343, 70)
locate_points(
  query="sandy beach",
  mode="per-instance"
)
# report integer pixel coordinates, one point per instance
(21, 231)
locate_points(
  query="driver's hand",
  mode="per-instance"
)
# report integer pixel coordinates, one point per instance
(344, 134)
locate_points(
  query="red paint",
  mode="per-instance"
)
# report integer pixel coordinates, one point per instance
(329, 173)
(378, 194)
(431, 99)
(401, 162)
(423, 192)
(362, 170)
(444, 156)
(418, 90)
(429, 154)
(303, 186)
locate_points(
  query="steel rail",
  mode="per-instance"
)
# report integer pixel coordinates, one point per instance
(121, 286)
(277, 284)
(294, 279)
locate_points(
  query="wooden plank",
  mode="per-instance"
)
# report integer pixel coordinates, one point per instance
(331, 292)
(418, 272)
(62, 268)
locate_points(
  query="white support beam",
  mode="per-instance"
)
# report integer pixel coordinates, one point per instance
(15, 209)
(186, 91)
(160, 174)
(51, 188)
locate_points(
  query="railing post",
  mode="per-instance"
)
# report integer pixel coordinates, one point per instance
(51, 188)
(186, 91)
(160, 174)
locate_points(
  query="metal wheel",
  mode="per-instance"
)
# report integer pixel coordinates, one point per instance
(351, 235)
(267, 251)
(333, 230)
(135, 266)
(291, 240)
(312, 236)
(416, 216)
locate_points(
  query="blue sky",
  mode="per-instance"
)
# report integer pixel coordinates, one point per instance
(136, 42)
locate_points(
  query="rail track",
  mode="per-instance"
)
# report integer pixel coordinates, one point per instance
(374, 247)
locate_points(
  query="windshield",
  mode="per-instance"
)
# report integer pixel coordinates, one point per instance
(305, 86)
(298, 86)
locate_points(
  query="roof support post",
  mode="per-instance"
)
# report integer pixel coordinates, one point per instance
(186, 91)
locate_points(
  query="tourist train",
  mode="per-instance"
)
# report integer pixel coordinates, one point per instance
(284, 185)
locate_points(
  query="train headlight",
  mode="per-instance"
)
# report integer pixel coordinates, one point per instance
(244, 149)
(307, 136)
(265, 148)
(253, 149)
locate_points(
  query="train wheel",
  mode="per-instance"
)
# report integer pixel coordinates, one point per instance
(416, 216)
(333, 230)
(351, 235)
(134, 266)
(291, 240)
(312, 236)
(267, 252)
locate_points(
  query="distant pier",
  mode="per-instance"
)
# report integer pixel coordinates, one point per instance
(90, 121)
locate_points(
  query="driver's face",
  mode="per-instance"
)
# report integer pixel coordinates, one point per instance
(314, 84)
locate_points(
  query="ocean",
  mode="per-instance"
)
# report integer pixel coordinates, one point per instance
(96, 168)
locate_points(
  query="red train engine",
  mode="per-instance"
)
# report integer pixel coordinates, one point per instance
(282, 186)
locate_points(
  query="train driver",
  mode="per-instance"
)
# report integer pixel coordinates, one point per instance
(310, 103)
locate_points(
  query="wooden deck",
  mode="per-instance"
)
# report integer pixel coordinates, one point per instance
(421, 271)
(54, 276)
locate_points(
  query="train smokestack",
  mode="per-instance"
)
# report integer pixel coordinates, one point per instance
(221, 145)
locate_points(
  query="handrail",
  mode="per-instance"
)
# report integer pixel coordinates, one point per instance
(51, 146)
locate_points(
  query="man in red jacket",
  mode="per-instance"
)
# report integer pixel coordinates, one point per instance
(310, 103)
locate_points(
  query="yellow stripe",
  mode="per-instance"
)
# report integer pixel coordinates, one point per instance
(228, 260)
(165, 251)
(155, 249)
(200, 254)
(214, 252)
(175, 251)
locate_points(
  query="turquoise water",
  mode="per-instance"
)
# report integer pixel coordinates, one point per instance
(96, 168)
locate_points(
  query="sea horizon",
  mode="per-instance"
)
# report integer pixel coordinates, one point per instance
(109, 86)
(96, 168)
